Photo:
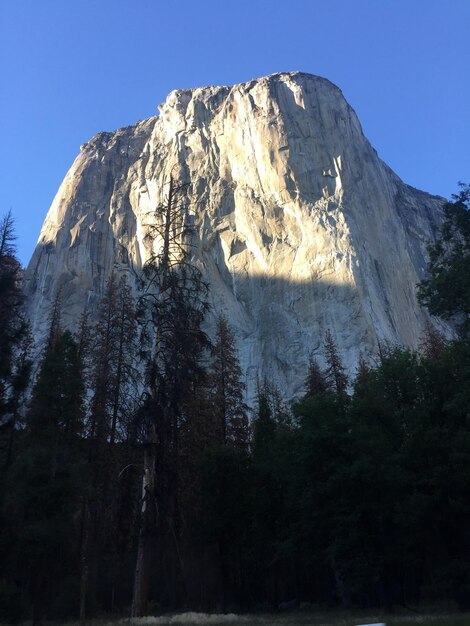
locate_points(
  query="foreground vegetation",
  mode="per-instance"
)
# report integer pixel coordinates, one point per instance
(344, 618)
(331, 618)
(113, 500)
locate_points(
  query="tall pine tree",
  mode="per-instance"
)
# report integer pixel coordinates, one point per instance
(45, 480)
(174, 304)
(335, 373)
(112, 379)
(227, 389)
(13, 327)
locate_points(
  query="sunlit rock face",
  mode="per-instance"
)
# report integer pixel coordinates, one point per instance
(299, 226)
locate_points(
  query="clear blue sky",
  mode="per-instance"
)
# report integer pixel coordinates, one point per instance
(71, 68)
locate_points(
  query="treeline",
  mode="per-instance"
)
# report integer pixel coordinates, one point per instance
(118, 500)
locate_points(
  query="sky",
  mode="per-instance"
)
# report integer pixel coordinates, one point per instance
(72, 68)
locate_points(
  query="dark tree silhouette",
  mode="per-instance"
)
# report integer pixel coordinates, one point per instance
(174, 303)
(447, 291)
(227, 389)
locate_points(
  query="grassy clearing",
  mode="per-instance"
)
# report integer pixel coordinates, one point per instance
(290, 619)
(298, 619)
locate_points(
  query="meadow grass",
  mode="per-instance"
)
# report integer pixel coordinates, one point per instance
(306, 619)
(295, 619)
(286, 619)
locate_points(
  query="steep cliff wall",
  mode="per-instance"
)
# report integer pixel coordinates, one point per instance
(300, 226)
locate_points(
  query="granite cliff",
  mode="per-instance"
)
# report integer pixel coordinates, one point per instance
(300, 226)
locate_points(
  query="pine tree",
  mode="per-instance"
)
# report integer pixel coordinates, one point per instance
(113, 356)
(316, 382)
(447, 290)
(46, 477)
(104, 348)
(84, 338)
(13, 327)
(174, 304)
(272, 454)
(362, 373)
(112, 376)
(125, 373)
(335, 373)
(20, 379)
(227, 389)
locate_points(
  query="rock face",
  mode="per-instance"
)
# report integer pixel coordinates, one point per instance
(300, 227)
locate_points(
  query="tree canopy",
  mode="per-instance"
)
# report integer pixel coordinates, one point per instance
(446, 292)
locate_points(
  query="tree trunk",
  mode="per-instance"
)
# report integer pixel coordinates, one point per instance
(84, 566)
(144, 548)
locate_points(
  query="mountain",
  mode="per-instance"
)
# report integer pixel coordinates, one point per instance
(299, 226)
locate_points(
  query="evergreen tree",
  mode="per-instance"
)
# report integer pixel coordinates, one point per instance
(20, 379)
(323, 454)
(174, 304)
(84, 338)
(442, 432)
(13, 327)
(113, 360)
(224, 521)
(274, 453)
(362, 371)
(112, 377)
(335, 373)
(44, 483)
(447, 291)
(316, 381)
(227, 389)
(15, 374)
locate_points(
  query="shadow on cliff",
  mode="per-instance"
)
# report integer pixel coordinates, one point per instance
(278, 322)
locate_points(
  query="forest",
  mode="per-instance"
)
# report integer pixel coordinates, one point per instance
(134, 479)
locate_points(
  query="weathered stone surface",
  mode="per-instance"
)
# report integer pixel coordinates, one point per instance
(300, 226)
